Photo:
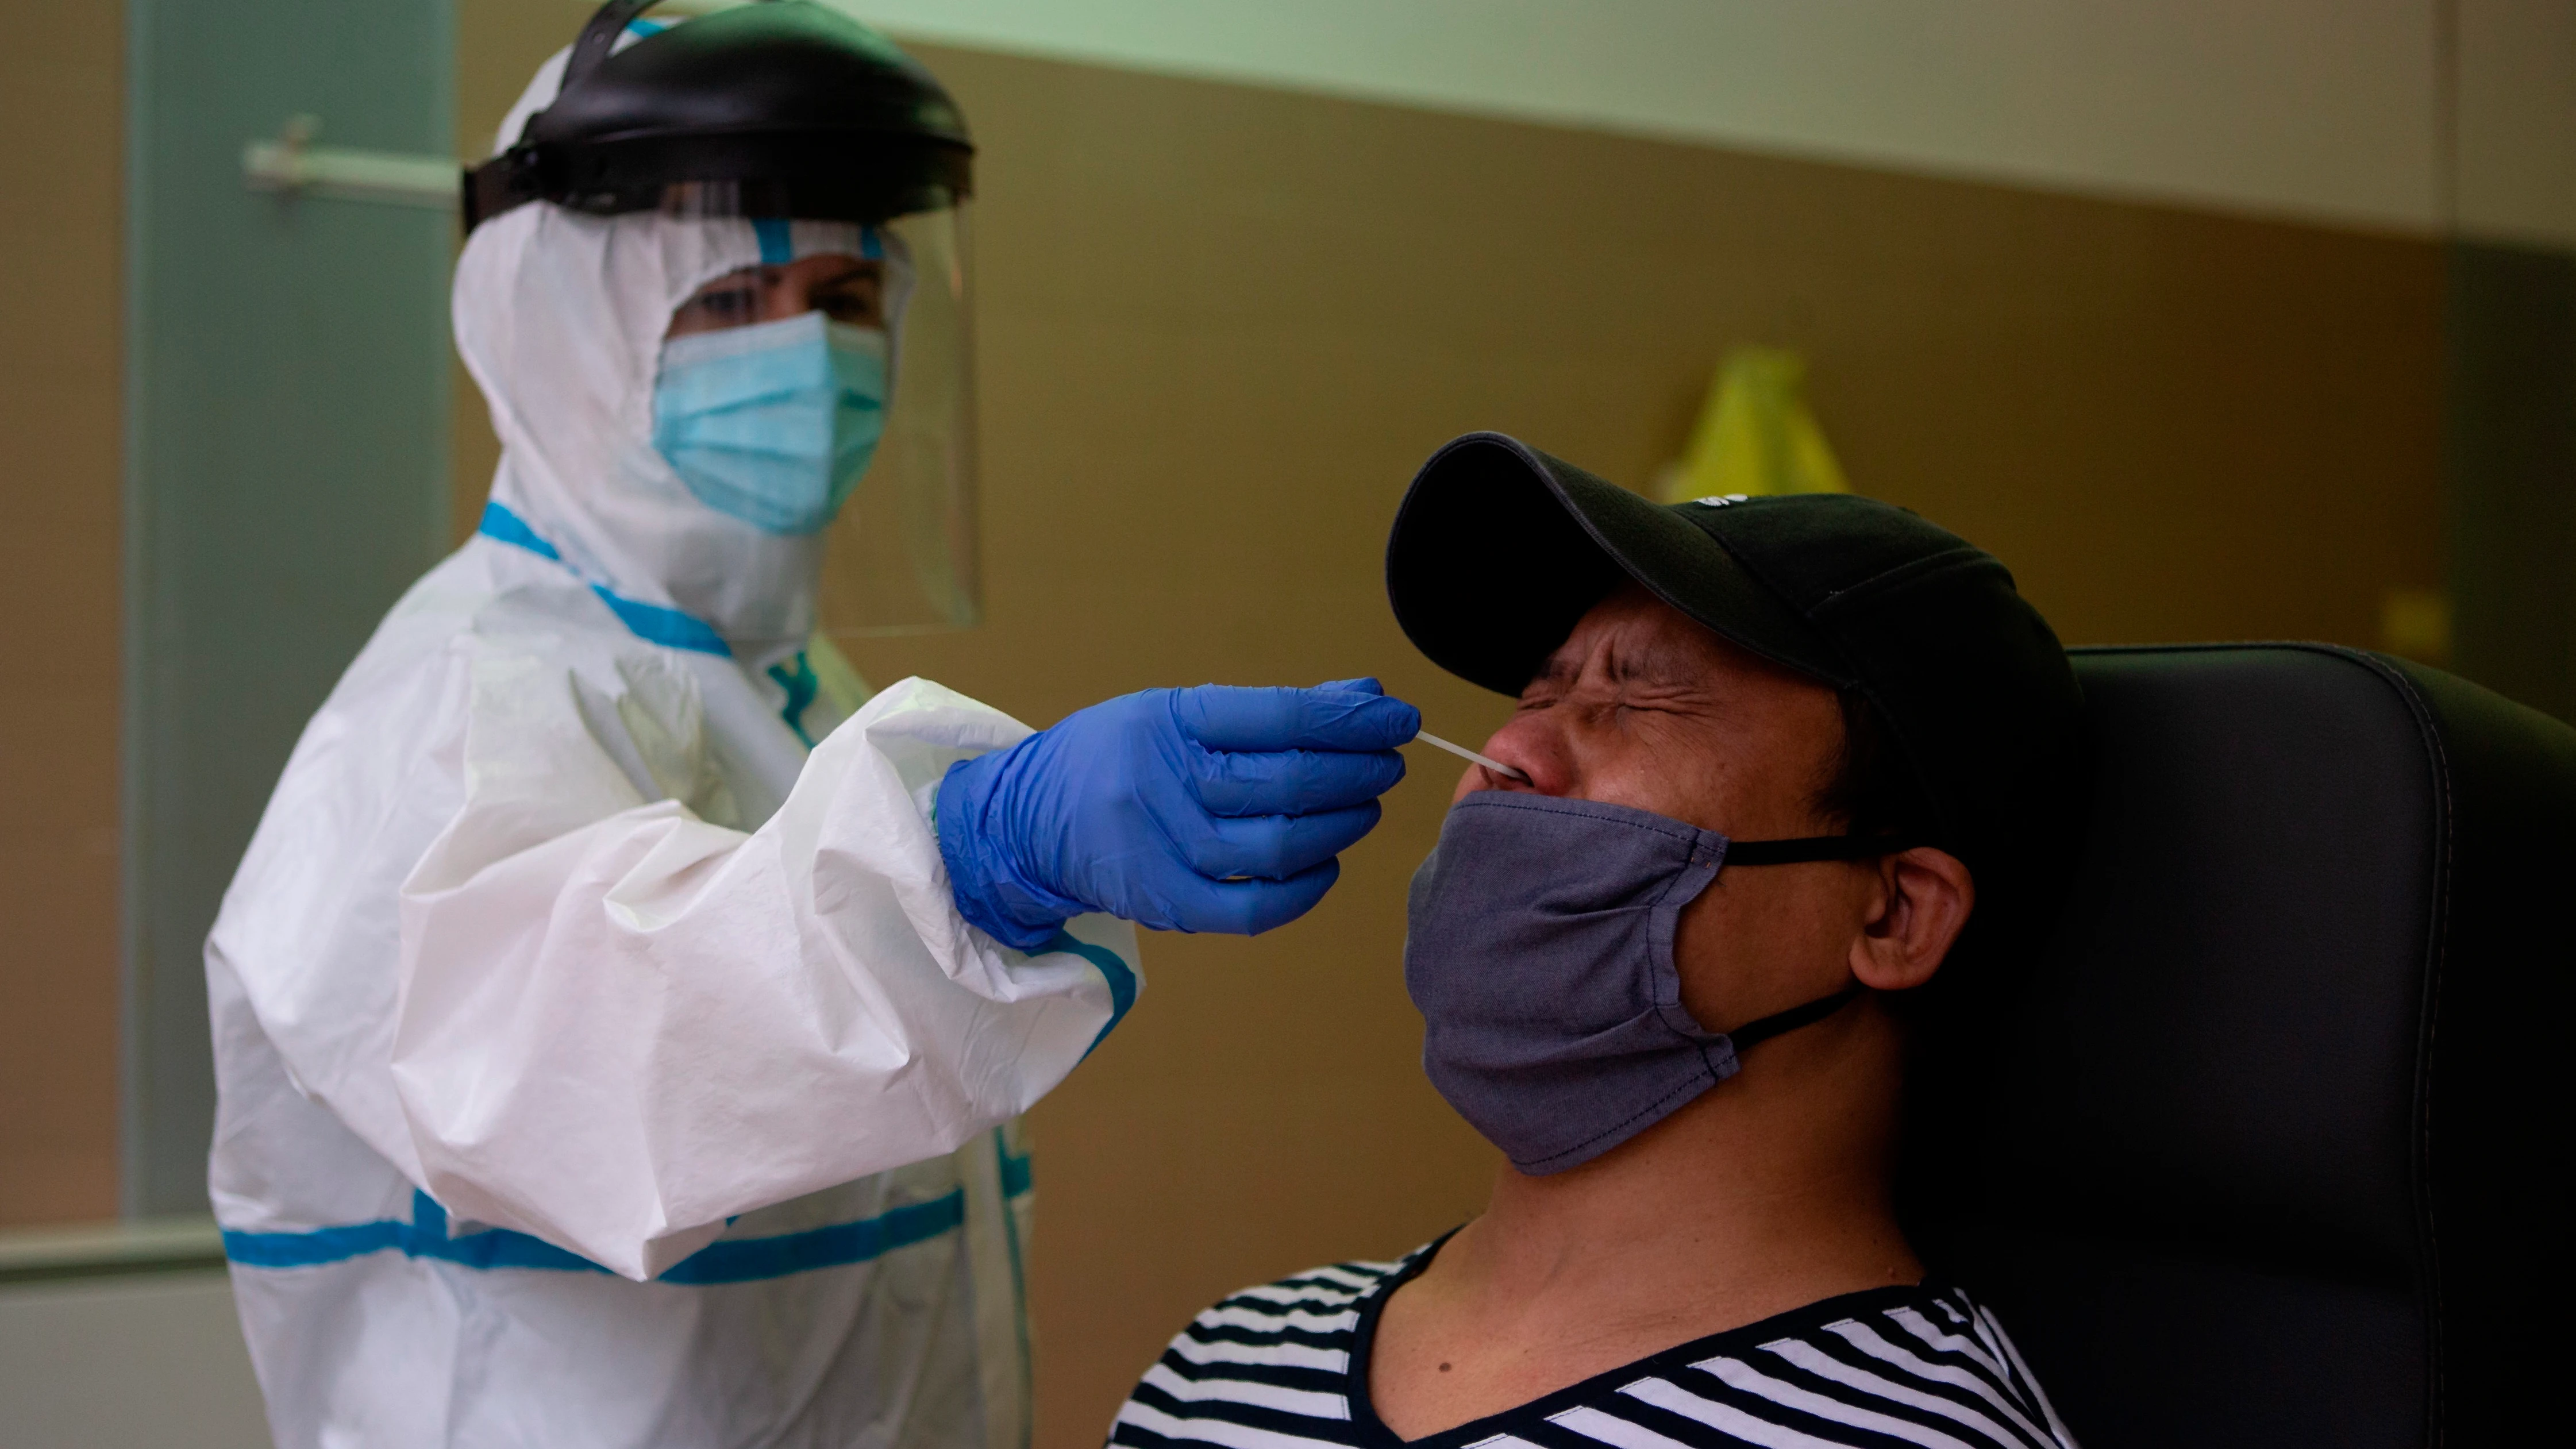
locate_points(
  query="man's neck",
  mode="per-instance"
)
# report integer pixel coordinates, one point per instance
(1767, 1193)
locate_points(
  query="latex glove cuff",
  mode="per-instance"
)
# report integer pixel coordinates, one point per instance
(990, 892)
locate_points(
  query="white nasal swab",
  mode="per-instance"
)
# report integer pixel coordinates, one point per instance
(1464, 753)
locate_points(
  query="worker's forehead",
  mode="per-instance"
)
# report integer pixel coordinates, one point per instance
(825, 267)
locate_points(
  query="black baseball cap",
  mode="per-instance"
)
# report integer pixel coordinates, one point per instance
(1498, 549)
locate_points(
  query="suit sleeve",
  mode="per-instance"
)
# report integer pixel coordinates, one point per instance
(614, 1024)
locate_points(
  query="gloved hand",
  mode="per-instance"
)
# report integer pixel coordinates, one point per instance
(1206, 809)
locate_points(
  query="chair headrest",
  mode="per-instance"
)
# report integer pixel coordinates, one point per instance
(2263, 1156)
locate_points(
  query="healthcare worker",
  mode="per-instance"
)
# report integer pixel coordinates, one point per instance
(598, 1065)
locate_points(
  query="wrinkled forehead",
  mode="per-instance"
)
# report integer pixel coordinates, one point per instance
(1631, 638)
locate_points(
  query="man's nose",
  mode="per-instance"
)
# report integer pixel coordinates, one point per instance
(1529, 745)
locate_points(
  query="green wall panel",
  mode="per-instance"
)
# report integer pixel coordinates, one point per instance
(286, 473)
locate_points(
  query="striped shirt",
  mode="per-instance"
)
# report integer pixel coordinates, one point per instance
(1285, 1367)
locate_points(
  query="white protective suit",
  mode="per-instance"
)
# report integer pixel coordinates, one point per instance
(597, 1066)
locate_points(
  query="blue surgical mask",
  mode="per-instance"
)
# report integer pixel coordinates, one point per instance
(772, 423)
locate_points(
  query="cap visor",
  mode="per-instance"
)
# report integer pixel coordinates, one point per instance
(1498, 549)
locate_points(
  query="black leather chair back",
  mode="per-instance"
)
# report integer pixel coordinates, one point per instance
(2278, 1153)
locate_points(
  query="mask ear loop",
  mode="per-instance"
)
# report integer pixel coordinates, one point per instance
(1795, 1017)
(1815, 847)
(1799, 852)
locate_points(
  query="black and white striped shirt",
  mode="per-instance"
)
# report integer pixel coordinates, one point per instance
(1285, 1367)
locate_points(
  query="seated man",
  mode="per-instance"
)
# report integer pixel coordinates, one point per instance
(1778, 752)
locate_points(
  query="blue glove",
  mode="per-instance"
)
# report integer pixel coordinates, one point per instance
(1207, 809)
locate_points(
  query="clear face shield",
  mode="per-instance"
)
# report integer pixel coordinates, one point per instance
(830, 390)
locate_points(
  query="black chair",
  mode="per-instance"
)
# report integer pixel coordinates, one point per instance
(2278, 1152)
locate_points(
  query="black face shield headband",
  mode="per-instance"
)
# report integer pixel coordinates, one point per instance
(786, 108)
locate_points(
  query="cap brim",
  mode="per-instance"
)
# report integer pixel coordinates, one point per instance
(1498, 549)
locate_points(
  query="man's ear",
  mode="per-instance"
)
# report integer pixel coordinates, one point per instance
(1924, 896)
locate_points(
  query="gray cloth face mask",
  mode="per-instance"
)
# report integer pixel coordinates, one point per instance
(1539, 950)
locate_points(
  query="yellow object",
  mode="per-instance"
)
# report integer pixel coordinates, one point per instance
(2417, 624)
(1755, 435)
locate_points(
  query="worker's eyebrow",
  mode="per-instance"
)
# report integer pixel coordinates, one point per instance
(854, 268)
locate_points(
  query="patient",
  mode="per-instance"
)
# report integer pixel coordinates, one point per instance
(1779, 753)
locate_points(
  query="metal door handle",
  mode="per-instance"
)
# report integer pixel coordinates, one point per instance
(292, 165)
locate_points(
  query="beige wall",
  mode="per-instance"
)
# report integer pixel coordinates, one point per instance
(59, 245)
(1221, 325)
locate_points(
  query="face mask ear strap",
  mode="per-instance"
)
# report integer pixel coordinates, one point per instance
(1794, 1018)
(1798, 852)
(1815, 847)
